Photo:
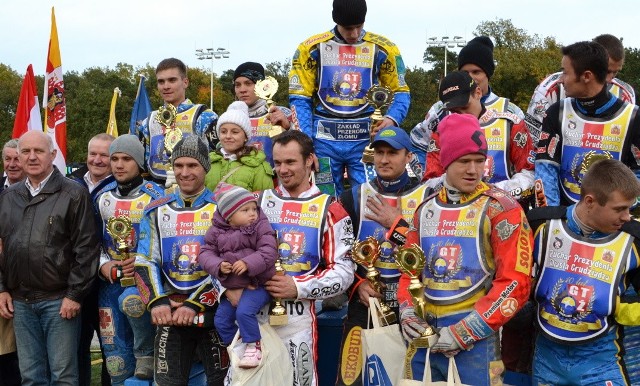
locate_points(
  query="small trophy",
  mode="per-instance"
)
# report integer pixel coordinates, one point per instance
(365, 253)
(411, 261)
(119, 228)
(278, 314)
(379, 97)
(266, 89)
(166, 117)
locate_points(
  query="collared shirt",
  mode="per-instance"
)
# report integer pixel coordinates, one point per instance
(90, 184)
(34, 190)
(6, 182)
(228, 156)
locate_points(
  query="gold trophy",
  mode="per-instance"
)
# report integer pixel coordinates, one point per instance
(119, 228)
(278, 314)
(411, 261)
(379, 97)
(166, 117)
(366, 253)
(266, 89)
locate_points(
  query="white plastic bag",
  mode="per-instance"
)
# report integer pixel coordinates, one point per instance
(453, 377)
(275, 369)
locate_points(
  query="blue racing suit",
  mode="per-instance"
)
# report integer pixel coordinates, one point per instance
(574, 136)
(167, 272)
(125, 326)
(328, 82)
(190, 119)
(580, 280)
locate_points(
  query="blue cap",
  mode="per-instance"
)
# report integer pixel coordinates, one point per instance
(393, 136)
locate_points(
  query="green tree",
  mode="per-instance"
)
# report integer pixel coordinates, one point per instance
(523, 60)
(424, 93)
(631, 71)
(10, 83)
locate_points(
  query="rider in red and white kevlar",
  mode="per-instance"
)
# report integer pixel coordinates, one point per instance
(315, 235)
(551, 90)
(477, 245)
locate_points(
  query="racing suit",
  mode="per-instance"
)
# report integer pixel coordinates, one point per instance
(477, 276)
(171, 233)
(575, 134)
(314, 238)
(421, 134)
(510, 156)
(408, 195)
(580, 280)
(125, 326)
(551, 90)
(190, 119)
(260, 127)
(328, 82)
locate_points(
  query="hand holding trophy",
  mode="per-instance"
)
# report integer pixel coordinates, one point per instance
(411, 261)
(366, 253)
(266, 89)
(379, 97)
(119, 228)
(278, 314)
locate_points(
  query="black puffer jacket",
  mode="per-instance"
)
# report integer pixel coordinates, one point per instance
(50, 245)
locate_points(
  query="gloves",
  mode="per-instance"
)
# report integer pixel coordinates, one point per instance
(412, 325)
(171, 179)
(447, 343)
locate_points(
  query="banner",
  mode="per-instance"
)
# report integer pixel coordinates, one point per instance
(28, 111)
(53, 100)
(141, 109)
(112, 126)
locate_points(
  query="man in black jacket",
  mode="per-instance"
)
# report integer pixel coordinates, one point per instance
(48, 263)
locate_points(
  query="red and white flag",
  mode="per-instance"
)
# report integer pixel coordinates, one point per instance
(28, 111)
(53, 100)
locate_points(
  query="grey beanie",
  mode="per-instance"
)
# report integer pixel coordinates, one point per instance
(128, 144)
(194, 147)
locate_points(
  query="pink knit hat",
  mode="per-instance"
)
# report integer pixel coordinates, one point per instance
(230, 198)
(460, 134)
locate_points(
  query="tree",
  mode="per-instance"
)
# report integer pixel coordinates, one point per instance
(10, 84)
(631, 71)
(522, 60)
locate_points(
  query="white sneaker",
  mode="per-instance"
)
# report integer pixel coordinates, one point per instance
(252, 356)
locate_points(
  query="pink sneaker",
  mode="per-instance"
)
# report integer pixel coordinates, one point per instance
(252, 356)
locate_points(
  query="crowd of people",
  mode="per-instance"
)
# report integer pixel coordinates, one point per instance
(166, 244)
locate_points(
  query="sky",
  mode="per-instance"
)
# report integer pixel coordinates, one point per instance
(137, 32)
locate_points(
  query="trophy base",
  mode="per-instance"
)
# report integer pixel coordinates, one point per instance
(278, 320)
(425, 341)
(275, 130)
(127, 282)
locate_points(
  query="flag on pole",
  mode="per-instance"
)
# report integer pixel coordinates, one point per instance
(53, 100)
(112, 127)
(28, 111)
(141, 109)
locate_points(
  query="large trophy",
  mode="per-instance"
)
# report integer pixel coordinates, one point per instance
(411, 261)
(366, 253)
(119, 228)
(379, 97)
(166, 117)
(266, 89)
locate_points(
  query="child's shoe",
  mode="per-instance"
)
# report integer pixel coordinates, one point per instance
(252, 356)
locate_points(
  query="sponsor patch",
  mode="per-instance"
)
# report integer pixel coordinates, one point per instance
(105, 315)
(505, 229)
(509, 307)
(132, 305)
(115, 365)
(351, 366)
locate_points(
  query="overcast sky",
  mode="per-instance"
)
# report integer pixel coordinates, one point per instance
(103, 33)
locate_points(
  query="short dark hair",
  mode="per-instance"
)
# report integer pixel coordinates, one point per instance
(588, 56)
(607, 176)
(305, 142)
(169, 63)
(613, 45)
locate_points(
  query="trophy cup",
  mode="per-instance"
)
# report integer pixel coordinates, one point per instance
(379, 97)
(411, 261)
(278, 314)
(119, 228)
(266, 89)
(166, 117)
(365, 253)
